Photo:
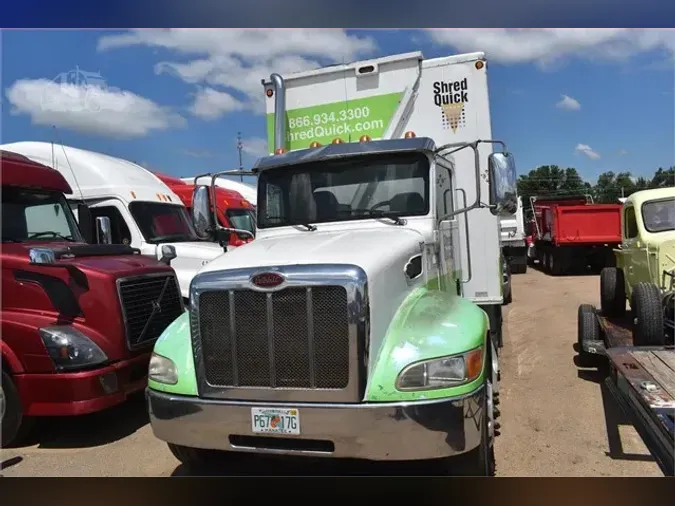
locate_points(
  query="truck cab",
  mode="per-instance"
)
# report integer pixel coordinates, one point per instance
(513, 238)
(645, 266)
(78, 320)
(144, 213)
(343, 330)
(232, 210)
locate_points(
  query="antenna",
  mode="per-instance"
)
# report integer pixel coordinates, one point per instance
(56, 132)
(240, 148)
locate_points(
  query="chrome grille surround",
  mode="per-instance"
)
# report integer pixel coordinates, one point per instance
(303, 282)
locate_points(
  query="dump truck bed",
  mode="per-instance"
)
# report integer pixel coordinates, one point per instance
(586, 224)
(642, 380)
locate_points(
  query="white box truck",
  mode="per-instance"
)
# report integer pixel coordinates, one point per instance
(364, 319)
(143, 212)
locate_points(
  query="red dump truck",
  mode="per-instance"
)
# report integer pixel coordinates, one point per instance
(572, 233)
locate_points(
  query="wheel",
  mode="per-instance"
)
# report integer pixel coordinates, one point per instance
(648, 315)
(545, 263)
(193, 457)
(612, 292)
(15, 426)
(554, 265)
(508, 298)
(588, 329)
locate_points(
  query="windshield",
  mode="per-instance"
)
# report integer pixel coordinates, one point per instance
(163, 222)
(33, 215)
(659, 215)
(345, 189)
(241, 219)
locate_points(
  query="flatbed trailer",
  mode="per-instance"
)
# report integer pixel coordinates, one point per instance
(642, 381)
(640, 378)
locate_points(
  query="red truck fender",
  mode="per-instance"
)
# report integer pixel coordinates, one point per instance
(10, 358)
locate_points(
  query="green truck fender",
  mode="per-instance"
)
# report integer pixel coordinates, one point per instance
(175, 343)
(428, 324)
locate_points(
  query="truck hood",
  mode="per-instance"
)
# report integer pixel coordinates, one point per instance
(371, 249)
(112, 265)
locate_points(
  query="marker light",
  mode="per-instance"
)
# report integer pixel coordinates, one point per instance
(364, 138)
(409, 135)
(269, 92)
(479, 65)
(337, 140)
(279, 151)
(133, 194)
(315, 144)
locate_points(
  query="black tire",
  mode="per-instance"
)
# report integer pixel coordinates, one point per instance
(15, 426)
(545, 258)
(508, 299)
(648, 329)
(612, 292)
(554, 265)
(519, 267)
(194, 458)
(588, 329)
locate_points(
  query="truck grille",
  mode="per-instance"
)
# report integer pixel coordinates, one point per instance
(149, 305)
(296, 338)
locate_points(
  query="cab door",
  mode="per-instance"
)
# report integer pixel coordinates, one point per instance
(634, 251)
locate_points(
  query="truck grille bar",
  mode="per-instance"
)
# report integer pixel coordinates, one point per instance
(304, 340)
(295, 338)
(149, 304)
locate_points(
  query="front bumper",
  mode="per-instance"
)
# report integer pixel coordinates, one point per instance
(79, 393)
(376, 431)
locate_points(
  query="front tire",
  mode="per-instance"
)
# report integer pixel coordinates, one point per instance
(612, 292)
(648, 314)
(15, 426)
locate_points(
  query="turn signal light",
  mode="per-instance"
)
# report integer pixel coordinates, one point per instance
(269, 92)
(479, 65)
(409, 135)
(337, 140)
(279, 151)
(364, 138)
(315, 144)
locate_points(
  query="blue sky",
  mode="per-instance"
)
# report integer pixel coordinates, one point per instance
(175, 100)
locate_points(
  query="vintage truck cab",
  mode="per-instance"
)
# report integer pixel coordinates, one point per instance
(339, 331)
(645, 267)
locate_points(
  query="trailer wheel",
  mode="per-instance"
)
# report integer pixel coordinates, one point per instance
(554, 262)
(612, 292)
(15, 426)
(648, 315)
(588, 329)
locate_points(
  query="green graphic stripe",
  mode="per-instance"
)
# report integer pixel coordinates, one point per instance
(348, 120)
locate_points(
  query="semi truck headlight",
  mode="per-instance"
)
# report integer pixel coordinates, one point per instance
(70, 349)
(442, 372)
(162, 370)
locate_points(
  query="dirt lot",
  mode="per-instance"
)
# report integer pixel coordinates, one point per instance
(556, 419)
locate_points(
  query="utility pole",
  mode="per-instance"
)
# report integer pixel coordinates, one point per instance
(240, 148)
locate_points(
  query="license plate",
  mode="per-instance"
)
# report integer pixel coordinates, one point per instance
(275, 421)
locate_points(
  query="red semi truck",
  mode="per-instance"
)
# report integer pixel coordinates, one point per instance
(78, 320)
(233, 210)
(573, 233)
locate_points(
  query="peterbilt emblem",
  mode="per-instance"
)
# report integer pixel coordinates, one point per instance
(267, 279)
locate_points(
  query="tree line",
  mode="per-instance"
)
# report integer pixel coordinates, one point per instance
(552, 180)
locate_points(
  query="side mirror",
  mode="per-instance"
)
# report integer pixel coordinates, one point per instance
(103, 230)
(223, 236)
(503, 188)
(167, 253)
(202, 218)
(84, 220)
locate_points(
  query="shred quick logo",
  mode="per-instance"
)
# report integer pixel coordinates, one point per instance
(451, 98)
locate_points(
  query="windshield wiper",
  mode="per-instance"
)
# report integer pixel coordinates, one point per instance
(369, 213)
(52, 234)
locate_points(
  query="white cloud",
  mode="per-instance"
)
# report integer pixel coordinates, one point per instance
(585, 149)
(548, 46)
(568, 103)
(89, 109)
(255, 146)
(235, 61)
(211, 104)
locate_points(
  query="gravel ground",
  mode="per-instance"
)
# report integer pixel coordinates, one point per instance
(556, 419)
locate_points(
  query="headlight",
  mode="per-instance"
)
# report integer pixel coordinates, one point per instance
(70, 349)
(442, 372)
(162, 370)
